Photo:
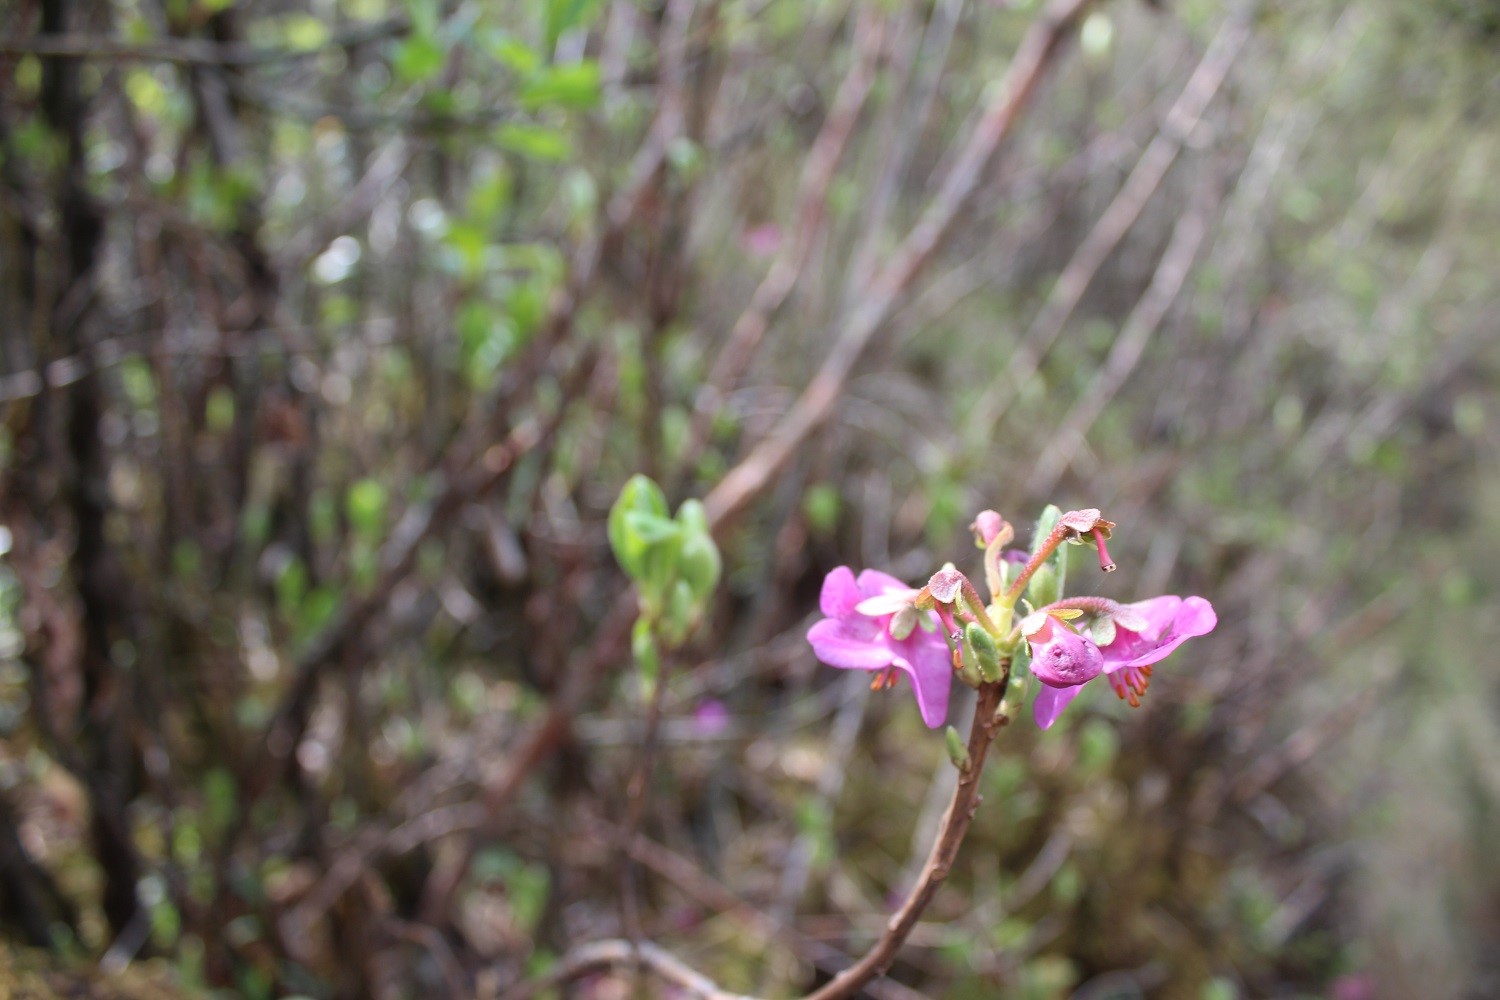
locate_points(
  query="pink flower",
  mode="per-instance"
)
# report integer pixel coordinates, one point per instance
(1145, 632)
(857, 634)
(762, 240)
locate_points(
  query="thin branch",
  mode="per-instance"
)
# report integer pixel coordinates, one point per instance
(637, 797)
(712, 894)
(939, 862)
(1147, 316)
(1036, 53)
(811, 215)
(195, 52)
(1117, 220)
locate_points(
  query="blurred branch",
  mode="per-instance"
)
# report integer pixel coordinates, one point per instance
(1122, 214)
(986, 723)
(196, 52)
(600, 955)
(1166, 285)
(811, 215)
(709, 892)
(944, 851)
(929, 56)
(1035, 54)
(399, 556)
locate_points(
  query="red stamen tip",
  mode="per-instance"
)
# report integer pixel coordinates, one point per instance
(1105, 562)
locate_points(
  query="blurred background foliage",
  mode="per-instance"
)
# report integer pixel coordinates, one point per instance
(332, 331)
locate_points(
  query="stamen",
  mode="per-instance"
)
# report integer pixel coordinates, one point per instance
(1105, 562)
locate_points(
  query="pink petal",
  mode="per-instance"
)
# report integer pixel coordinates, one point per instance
(840, 593)
(884, 604)
(1050, 702)
(926, 661)
(1196, 617)
(839, 645)
(872, 582)
(1191, 617)
(1158, 612)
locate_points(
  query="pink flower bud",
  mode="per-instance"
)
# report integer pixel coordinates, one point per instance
(1062, 658)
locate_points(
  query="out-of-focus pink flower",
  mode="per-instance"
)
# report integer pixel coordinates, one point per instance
(1145, 632)
(858, 634)
(711, 717)
(1353, 986)
(762, 240)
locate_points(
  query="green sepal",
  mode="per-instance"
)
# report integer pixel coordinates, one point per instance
(986, 652)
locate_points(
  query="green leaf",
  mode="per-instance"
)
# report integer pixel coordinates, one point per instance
(698, 560)
(575, 85)
(490, 194)
(821, 506)
(218, 411)
(1044, 526)
(513, 53)
(533, 141)
(366, 506)
(641, 507)
(419, 58)
(305, 33)
(1043, 589)
(563, 15)
(1057, 563)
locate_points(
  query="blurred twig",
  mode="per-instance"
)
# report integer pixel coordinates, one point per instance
(1166, 285)
(1036, 53)
(1123, 212)
(198, 52)
(811, 215)
(600, 955)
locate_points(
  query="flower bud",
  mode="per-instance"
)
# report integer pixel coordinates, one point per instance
(1061, 657)
(957, 751)
(1015, 697)
(989, 525)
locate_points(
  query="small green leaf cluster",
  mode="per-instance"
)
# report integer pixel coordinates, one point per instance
(673, 562)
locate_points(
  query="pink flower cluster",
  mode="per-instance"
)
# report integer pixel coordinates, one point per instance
(875, 622)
